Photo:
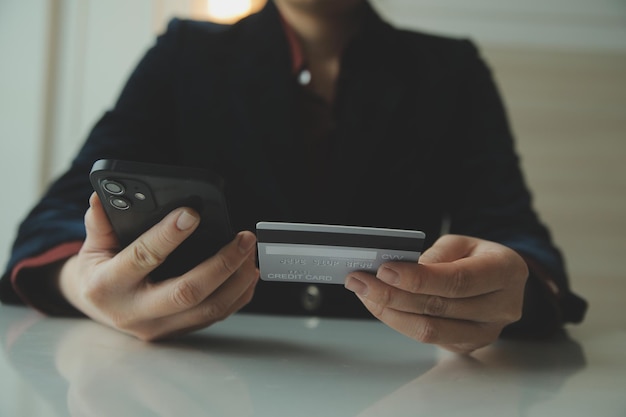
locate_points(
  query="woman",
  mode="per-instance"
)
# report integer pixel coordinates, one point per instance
(312, 111)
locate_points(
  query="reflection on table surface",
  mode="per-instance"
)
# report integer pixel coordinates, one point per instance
(253, 365)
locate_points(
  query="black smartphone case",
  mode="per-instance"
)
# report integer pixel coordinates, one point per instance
(136, 196)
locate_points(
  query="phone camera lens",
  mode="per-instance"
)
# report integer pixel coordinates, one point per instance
(113, 187)
(119, 203)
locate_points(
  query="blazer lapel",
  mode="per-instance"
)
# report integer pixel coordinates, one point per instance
(260, 97)
(369, 96)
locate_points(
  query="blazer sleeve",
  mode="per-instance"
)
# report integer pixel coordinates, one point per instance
(140, 126)
(494, 203)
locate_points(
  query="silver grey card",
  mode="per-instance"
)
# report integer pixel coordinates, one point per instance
(320, 253)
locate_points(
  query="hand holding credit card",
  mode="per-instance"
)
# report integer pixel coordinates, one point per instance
(320, 253)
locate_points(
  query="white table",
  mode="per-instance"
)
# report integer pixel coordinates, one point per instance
(275, 366)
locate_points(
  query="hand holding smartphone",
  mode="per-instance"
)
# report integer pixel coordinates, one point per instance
(136, 196)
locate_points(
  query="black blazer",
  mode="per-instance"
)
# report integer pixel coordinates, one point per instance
(421, 137)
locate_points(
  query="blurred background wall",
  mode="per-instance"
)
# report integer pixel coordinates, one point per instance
(561, 65)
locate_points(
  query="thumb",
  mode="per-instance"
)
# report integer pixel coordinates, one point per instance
(449, 248)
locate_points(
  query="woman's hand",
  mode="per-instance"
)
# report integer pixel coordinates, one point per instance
(113, 287)
(460, 296)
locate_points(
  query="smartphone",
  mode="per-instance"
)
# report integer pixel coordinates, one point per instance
(137, 195)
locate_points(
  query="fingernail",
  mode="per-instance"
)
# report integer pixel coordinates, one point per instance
(246, 242)
(186, 221)
(388, 275)
(356, 286)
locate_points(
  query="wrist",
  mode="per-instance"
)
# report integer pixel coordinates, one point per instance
(39, 287)
(65, 280)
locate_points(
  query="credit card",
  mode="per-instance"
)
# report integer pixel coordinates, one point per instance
(326, 254)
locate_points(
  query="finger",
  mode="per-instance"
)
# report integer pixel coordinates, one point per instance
(150, 249)
(490, 308)
(100, 235)
(235, 293)
(189, 290)
(465, 335)
(240, 288)
(467, 277)
(226, 301)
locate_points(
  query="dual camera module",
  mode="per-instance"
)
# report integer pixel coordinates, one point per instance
(117, 194)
